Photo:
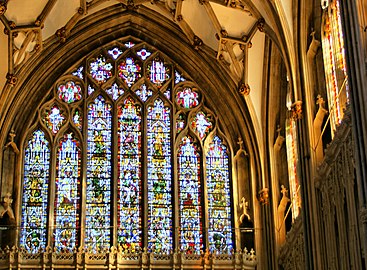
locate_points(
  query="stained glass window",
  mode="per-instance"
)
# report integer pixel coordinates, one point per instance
(291, 144)
(115, 91)
(187, 98)
(54, 119)
(67, 202)
(334, 63)
(129, 70)
(137, 139)
(98, 195)
(129, 176)
(158, 72)
(143, 92)
(219, 200)
(70, 92)
(79, 72)
(191, 235)
(100, 69)
(35, 193)
(159, 178)
(201, 124)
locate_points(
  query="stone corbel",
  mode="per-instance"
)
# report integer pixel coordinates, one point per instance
(3, 6)
(11, 142)
(5, 207)
(296, 110)
(263, 196)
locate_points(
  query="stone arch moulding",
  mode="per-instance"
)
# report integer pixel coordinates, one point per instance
(38, 75)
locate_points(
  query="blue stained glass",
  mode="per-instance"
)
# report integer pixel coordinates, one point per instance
(115, 52)
(158, 72)
(129, 70)
(143, 92)
(201, 124)
(159, 178)
(99, 175)
(35, 193)
(101, 70)
(67, 203)
(54, 119)
(218, 186)
(115, 91)
(129, 176)
(191, 236)
(79, 72)
(144, 54)
(178, 77)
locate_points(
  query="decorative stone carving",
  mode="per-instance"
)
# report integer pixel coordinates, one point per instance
(244, 89)
(11, 79)
(3, 7)
(244, 206)
(197, 42)
(11, 142)
(261, 25)
(61, 34)
(296, 110)
(6, 208)
(264, 196)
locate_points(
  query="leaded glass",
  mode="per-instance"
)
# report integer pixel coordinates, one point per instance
(159, 178)
(218, 187)
(191, 235)
(187, 98)
(67, 201)
(90, 90)
(99, 175)
(54, 119)
(129, 176)
(35, 193)
(144, 54)
(100, 69)
(291, 145)
(143, 92)
(79, 72)
(129, 70)
(129, 44)
(115, 52)
(115, 91)
(167, 93)
(180, 122)
(158, 72)
(69, 92)
(78, 119)
(179, 77)
(201, 124)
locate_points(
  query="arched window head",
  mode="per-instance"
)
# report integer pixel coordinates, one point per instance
(139, 164)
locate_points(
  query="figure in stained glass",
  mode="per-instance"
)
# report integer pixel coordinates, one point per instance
(201, 124)
(187, 98)
(70, 92)
(54, 119)
(115, 91)
(129, 71)
(101, 70)
(143, 92)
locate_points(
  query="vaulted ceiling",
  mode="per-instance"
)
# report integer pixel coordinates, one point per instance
(234, 29)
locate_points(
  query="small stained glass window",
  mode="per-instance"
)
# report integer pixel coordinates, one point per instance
(79, 72)
(180, 122)
(179, 77)
(158, 72)
(143, 92)
(69, 92)
(201, 124)
(100, 69)
(129, 70)
(129, 44)
(187, 98)
(78, 119)
(144, 54)
(54, 119)
(115, 52)
(115, 91)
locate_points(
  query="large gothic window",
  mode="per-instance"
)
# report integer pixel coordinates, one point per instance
(334, 62)
(124, 152)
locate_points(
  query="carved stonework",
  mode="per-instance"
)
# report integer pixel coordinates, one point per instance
(264, 196)
(11, 79)
(244, 89)
(261, 25)
(197, 42)
(296, 109)
(61, 34)
(3, 7)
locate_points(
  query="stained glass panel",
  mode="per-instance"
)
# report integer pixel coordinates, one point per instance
(101, 70)
(291, 144)
(187, 98)
(179, 77)
(144, 54)
(129, 176)
(158, 72)
(218, 186)
(90, 90)
(129, 70)
(78, 119)
(54, 119)
(143, 92)
(180, 122)
(159, 178)
(69, 92)
(35, 193)
(67, 201)
(191, 236)
(129, 44)
(201, 124)
(115, 52)
(99, 175)
(79, 72)
(115, 91)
